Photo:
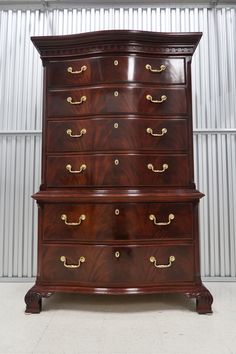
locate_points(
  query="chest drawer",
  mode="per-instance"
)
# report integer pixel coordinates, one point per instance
(117, 170)
(107, 69)
(117, 99)
(117, 265)
(115, 222)
(117, 134)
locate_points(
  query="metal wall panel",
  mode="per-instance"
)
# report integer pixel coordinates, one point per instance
(214, 115)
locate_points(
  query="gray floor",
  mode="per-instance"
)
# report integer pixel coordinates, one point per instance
(79, 324)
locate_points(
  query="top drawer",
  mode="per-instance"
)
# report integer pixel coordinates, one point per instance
(96, 70)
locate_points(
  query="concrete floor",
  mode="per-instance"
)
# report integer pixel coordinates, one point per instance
(153, 324)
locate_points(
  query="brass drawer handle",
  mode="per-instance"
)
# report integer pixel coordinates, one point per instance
(82, 168)
(81, 260)
(151, 167)
(163, 98)
(70, 70)
(154, 261)
(153, 218)
(82, 132)
(163, 132)
(83, 99)
(81, 218)
(149, 67)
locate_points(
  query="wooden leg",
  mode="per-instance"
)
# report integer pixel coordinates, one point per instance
(33, 300)
(204, 300)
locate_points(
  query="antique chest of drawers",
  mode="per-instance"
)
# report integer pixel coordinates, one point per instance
(118, 207)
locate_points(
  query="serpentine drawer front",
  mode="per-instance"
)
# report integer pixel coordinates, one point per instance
(117, 134)
(109, 222)
(117, 99)
(117, 265)
(120, 170)
(118, 207)
(120, 69)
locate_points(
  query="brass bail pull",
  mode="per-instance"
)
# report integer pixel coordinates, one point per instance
(161, 68)
(153, 260)
(82, 168)
(161, 223)
(163, 98)
(64, 261)
(71, 71)
(81, 218)
(82, 99)
(150, 131)
(164, 167)
(70, 133)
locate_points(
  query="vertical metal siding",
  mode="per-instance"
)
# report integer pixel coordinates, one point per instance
(214, 115)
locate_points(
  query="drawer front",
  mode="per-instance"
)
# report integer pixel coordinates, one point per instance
(109, 100)
(116, 69)
(116, 266)
(117, 134)
(117, 170)
(109, 222)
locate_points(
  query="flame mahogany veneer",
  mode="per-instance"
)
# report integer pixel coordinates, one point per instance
(118, 207)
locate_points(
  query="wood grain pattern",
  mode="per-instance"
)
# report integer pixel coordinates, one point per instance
(101, 69)
(102, 268)
(116, 95)
(103, 224)
(101, 100)
(132, 170)
(121, 134)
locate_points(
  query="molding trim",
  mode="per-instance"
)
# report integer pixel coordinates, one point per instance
(135, 41)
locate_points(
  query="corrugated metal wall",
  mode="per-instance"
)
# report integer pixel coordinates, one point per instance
(214, 113)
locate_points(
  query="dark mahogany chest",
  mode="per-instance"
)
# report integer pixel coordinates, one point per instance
(118, 207)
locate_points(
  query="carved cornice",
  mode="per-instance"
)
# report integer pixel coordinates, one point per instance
(111, 48)
(116, 41)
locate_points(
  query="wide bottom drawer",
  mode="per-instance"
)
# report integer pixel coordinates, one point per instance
(126, 265)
